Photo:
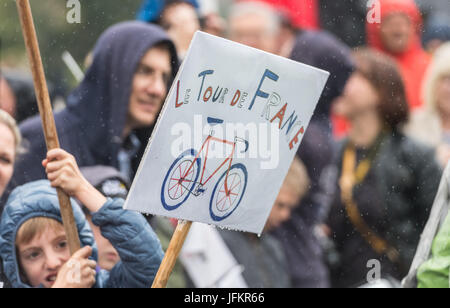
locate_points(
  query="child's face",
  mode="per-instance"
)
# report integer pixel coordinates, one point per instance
(43, 256)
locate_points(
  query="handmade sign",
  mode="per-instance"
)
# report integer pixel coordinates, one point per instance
(226, 136)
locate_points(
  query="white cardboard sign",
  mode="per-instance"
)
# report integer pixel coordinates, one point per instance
(226, 136)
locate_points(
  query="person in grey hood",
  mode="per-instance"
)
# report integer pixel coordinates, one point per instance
(110, 116)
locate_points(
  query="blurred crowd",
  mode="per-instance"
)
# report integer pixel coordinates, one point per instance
(361, 188)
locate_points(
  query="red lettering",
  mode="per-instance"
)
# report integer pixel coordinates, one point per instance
(206, 97)
(236, 98)
(295, 139)
(280, 115)
(178, 91)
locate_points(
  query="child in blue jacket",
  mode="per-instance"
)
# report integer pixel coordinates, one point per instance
(33, 244)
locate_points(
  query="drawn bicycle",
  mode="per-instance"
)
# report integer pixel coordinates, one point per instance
(182, 179)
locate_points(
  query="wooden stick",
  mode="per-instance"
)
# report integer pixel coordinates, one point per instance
(170, 258)
(45, 110)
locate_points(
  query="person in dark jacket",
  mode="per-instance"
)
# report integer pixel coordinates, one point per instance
(109, 117)
(33, 244)
(21, 92)
(386, 181)
(303, 250)
(345, 19)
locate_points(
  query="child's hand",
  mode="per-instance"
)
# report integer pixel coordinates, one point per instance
(63, 172)
(78, 271)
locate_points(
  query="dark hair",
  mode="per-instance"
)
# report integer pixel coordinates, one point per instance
(383, 74)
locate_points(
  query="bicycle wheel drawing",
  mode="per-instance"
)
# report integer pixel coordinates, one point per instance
(223, 204)
(179, 180)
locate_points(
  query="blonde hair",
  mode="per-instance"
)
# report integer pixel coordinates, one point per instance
(439, 67)
(9, 121)
(297, 179)
(35, 227)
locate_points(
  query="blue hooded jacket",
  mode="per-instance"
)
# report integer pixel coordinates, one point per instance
(138, 247)
(92, 125)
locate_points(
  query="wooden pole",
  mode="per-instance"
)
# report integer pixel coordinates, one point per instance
(170, 258)
(45, 110)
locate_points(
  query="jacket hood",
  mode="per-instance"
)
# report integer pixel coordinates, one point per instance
(324, 51)
(108, 180)
(36, 199)
(101, 100)
(96, 175)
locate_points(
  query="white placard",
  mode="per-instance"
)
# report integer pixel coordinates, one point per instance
(228, 132)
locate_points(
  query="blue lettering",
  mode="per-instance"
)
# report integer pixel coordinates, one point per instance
(267, 74)
(291, 122)
(204, 73)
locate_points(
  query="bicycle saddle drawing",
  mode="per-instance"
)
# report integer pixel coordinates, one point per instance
(214, 121)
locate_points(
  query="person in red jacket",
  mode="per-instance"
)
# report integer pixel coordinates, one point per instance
(399, 35)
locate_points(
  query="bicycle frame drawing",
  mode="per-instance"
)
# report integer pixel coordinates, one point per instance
(182, 179)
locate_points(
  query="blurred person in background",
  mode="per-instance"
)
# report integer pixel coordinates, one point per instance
(211, 20)
(437, 25)
(263, 258)
(345, 19)
(22, 90)
(254, 24)
(321, 50)
(432, 125)
(284, 18)
(298, 235)
(10, 142)
(386, 182)
(215, 258)
(399, 36)
(437, 32)
(431, 7)
(181, 21)
(178, 17)
(110, 115)
(7, 97)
